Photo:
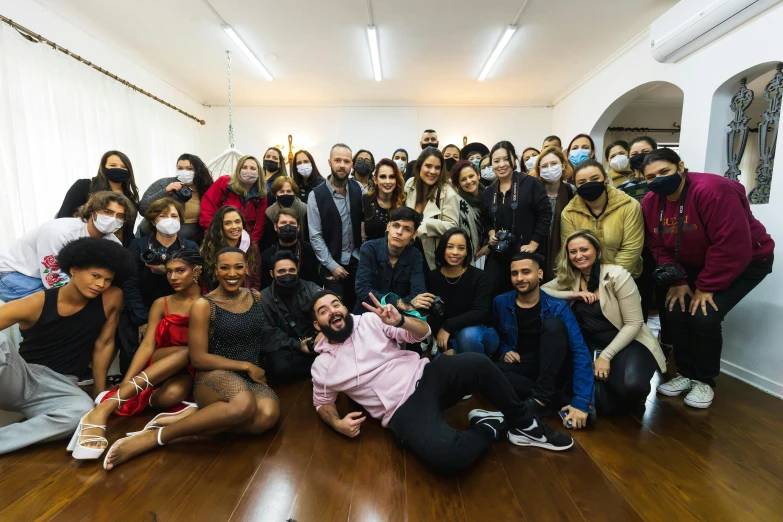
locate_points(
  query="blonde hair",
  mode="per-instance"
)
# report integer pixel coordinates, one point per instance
(566, 273)
(277, 185)
(235, 182)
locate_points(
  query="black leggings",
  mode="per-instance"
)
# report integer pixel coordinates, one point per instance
(420, 425)
(287, 366)
(345, 288)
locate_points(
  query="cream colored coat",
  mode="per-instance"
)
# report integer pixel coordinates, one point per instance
(437, 218)
(622, 306)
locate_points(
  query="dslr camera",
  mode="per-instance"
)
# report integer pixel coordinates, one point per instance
(505, 239)
(438, 307)
(667, 274)
(155, 256)
(183, 195)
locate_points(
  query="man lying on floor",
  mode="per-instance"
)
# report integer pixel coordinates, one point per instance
(361, 356)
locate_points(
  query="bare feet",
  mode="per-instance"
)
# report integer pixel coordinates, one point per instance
(125, 449)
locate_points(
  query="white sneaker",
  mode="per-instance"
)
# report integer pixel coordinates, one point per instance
(700, 396)
(676, 386)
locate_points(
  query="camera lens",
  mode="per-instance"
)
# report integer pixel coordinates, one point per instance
(150, 257)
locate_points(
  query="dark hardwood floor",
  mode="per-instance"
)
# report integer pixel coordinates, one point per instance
(665, 463)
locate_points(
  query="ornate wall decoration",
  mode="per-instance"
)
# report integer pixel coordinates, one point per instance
(770, 121)
(737, 137)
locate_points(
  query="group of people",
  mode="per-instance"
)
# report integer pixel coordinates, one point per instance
(407, 284)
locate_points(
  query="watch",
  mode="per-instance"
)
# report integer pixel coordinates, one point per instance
(402, 321)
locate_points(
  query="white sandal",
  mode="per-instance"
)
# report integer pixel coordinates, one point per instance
(153, 423)
(160, 442)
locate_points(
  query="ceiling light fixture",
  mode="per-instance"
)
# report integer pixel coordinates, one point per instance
(372, 37)
(245, 49)
(496, 53)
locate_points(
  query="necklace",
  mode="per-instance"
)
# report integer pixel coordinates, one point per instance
(458, 277)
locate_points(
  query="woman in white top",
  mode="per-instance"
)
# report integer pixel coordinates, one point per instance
(607, 306)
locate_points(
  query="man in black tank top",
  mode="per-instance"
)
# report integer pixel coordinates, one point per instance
(63, 329)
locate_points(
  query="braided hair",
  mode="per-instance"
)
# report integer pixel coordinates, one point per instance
(189, 256)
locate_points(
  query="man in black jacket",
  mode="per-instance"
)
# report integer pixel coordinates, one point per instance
(288, 231)
(286, 307)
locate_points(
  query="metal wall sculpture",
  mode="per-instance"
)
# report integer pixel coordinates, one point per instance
(737, 137)
(770, 120)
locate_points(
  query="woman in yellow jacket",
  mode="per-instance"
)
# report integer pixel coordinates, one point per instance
(612, 215)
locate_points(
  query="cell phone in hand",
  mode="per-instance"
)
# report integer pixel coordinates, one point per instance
(563, 415)
(596, 354)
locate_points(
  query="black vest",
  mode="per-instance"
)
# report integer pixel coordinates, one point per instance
(331, 224)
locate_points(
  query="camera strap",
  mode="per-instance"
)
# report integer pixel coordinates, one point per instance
(514, 204)
(680, 213)
(179, 239)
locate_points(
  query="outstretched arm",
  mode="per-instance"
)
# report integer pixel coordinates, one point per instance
(103, 351)
(350, 425)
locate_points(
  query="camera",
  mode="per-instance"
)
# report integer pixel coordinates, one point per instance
(438, 307)
(665, 275)
(183, 195)
(505, 238)
(154, 256)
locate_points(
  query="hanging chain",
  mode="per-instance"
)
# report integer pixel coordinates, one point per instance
(230, 114)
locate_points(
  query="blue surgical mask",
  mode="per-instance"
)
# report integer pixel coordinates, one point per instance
(476, 162)
(578, 156)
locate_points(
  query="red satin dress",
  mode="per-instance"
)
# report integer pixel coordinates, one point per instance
(172, 330)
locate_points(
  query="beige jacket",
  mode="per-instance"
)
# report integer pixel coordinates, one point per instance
(622, 306)
(437, 218)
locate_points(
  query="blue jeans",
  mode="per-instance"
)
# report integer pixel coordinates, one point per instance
(476, 339)
(14, 285)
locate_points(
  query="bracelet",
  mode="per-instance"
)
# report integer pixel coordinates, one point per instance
(402, 321)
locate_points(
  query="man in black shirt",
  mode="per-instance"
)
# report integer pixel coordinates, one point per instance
(288, 228)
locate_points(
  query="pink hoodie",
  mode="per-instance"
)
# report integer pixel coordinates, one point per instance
(369, 367)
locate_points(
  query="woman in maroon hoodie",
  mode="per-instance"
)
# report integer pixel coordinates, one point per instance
(710, 252)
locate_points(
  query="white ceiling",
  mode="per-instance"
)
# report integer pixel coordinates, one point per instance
(431, 50)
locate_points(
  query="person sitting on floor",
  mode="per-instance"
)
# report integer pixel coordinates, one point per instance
(360, 356)
(63, 329)
(539, 340)
(226, 337)
(608, 308)
(288, 229)
(285, 304)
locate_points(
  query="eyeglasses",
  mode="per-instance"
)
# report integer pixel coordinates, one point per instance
(111, 213)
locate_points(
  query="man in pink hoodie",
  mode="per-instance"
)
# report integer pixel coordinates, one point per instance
(360, 356)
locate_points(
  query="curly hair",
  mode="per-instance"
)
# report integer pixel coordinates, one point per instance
(215, 241)
(456, 171)
(90, 252)
(100, 200)
(202, 177)
(398, 195)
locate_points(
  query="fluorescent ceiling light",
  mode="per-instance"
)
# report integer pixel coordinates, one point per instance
(245, 49)
(372, 36)
(496, 53)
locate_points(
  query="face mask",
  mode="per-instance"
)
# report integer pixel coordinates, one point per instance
(476, 162)
(117, 175)
(185, 176)
(552, 174)
(363, 169)
(665, 185)
(425, 145)
(168, 226)
(450, 162)
(400, 164)
(271, 165)
(637, 161)
(248, 176)
(106, 224)
(619, 162)
(286, 200)
(287, 233)
(578, 156)
(488, 174)
(591, 190)
(530, 164)
(287, 281)
(305, 169)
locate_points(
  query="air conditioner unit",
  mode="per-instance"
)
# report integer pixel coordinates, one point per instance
(692, 24)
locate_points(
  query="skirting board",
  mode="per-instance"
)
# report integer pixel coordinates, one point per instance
(754, 379)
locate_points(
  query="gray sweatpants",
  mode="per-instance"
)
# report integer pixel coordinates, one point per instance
(51, 403)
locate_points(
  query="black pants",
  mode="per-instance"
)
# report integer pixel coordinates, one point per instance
(498, 270)
(541, 375)
(126, 339)
(287, 365)
(630, 372)
(420, 425)
(345, 288)
(698, 339)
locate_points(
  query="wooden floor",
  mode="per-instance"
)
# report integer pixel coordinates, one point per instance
(668, 463)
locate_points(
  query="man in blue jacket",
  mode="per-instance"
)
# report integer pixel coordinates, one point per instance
(539, 340)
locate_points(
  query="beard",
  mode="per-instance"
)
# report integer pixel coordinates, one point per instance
(341, 335)
(338, 179)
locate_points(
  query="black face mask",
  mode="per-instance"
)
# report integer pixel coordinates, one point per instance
(287, 282)
(592, 190)
(425, 145)
(287, 233)
(362, 168)
(271, 165)
(286, 200)
(117, 175)
(637, 161)
(450, 162)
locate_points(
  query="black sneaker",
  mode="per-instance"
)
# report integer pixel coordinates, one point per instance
(85, 379)
(541, 436)
(495, 425)
(534, 409)
(477, 414)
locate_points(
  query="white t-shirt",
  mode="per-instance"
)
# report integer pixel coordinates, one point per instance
(35, 253)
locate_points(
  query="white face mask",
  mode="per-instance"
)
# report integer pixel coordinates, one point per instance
(619, 163)
(531, 162)
(106, 224)
(400, 164)
(185, 176)
(168, 226)
(552, 174)
(305, 169)
(488, 174)
(248, 176)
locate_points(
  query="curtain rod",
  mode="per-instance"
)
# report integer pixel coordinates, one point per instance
(673, 130)
(28, 34)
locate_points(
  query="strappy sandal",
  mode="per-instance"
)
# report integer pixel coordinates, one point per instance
(160, 442)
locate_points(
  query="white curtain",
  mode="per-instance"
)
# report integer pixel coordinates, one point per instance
(58, 116)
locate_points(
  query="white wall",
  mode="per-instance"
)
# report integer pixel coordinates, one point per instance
(753, 331)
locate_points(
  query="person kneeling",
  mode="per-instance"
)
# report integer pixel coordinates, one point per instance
(285, 305)
(360, 356)
(608, 308)
(537, 332)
